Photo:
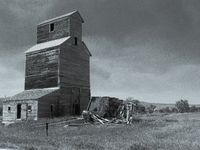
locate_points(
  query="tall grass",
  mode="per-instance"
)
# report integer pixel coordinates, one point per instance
(147, 133)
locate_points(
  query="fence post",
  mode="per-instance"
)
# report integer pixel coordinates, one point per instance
(47, 129)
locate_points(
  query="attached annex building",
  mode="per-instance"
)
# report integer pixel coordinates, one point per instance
(57, 74)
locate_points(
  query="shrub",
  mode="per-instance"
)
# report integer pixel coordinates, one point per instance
(174, 110)
(140, 108)
(151, 108)
(193, 109)
(182, 106)
(161, 110)
(165, 110)
(198, 109)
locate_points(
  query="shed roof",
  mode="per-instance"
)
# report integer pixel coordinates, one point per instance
(48, 44)
(87, 50)
(32, 94)
(59, 17)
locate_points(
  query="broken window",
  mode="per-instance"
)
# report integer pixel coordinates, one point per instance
(9, 109)
(51, 27)
(29, 108)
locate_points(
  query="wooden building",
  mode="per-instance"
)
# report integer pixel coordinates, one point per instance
(57, 74)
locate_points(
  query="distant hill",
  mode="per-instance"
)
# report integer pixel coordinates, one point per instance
(163, 105)
(158, 105)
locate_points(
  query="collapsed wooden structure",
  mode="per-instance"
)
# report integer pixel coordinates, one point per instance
(118, 111)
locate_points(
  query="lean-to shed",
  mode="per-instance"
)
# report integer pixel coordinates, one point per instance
(57, 72)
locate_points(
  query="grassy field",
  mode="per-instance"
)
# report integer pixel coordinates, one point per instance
(149, 132)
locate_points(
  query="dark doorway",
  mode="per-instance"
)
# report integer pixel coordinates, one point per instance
(52, 111)
(76, 109)
(18, 111)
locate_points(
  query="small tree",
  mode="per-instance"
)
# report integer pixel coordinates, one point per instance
(182, 106)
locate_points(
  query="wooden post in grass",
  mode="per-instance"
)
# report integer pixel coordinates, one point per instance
(47, 129)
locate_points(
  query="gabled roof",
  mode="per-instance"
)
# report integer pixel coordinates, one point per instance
(48, 44)
(60, 17)
(32, 94)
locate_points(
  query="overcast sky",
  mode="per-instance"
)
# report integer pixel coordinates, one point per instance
(145, 49)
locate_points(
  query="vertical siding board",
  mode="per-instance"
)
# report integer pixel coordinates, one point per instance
(76, 26)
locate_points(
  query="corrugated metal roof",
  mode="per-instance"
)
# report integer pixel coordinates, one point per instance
(48, 44)
(32, 94)
(59, 17)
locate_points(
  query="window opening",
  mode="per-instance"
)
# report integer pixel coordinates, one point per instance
(76, 40)
(51, 108)
(29, 108)
(9, 109)
(51, 27)
(76, 109)
(18, 111)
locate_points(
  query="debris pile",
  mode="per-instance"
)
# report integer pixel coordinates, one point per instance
(118, 111)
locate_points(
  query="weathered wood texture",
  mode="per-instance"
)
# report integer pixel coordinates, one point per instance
(85, 98)
(61, 29)
(74, 65)
(44, 105)
(42, 69)
(65, 101)
(76, 26)
(73, 95)
(105, 106)
(10, 116)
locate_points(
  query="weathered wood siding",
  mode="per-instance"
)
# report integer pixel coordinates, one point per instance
(73, 95)
(44, 105)
(61, 29)
(11, 116)
(76, 26)
(74, 66)
(84, 99)
(65, 101)
(42, 69)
